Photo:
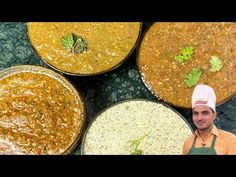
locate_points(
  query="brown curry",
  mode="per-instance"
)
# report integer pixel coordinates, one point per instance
(108, 44)
(165, 76)
(40, 112)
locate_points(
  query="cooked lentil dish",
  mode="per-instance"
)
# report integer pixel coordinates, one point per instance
(136, 127)
(108, 44)
(165, 77)
(40, 112)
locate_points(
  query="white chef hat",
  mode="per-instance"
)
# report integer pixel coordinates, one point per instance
(204, 95)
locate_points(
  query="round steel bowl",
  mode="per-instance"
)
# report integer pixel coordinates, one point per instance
(227, 65)
(90, 74)
(66, 83)
(129, 100)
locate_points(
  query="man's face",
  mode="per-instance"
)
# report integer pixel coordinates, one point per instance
(203, 117)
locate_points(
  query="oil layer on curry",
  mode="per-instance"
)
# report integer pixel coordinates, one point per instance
(167, 72)
(40, 112)
(101, 46)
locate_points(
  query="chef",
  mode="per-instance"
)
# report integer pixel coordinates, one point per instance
(207, 139)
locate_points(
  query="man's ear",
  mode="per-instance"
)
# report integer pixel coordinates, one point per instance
(215, 115)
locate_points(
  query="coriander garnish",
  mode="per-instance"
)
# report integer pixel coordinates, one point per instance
(192, 78)
(135, 143)
(73, 43)
(216, 64)
(186, 53)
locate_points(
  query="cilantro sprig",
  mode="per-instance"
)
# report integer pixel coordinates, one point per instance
(192, 77)
(186, 54)
(135, 143)
(216, 64)
(68, 42)
(73, 43)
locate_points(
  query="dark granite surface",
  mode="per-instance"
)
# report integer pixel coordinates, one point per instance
(99, 91)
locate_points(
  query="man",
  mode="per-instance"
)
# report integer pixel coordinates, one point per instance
(207, 139)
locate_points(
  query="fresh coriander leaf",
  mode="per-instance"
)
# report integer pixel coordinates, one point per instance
(192, 78)
(135, 143)
(179, 58)
(74, 43)
(216, 64)
(68, 42)
(188, 50)
(186, 53)
(137, 152)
